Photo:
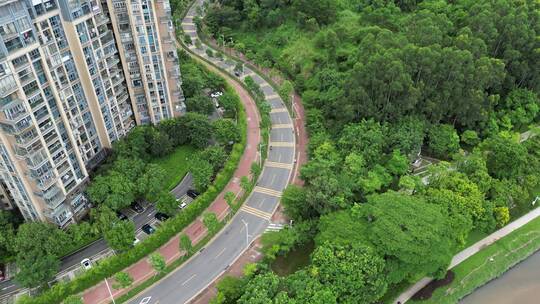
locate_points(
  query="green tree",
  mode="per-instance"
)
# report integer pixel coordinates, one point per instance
(122, 280)
(443, 141)
(294, 202)
(151, 183)
(230, 289)
(201, 104)
(211, 222)
(245, 184)
(202, 172)
(255, 169)
(229, 198)
(157, 262)
(413, 236)
(215, 155)
(199, 128)
(36, 267)
(185, 244)
(506, 158)
(167, 203)
(398, 164)
(355, 274)
(226, 131)
(470, 138)
(261, 289)
(121, 235)
(114, 190)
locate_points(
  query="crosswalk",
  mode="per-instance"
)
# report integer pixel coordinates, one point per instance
(274, 227)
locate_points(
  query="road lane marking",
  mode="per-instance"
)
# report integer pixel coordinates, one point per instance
(282, 126)
(7, 287)
(265, 84)
(146, 300)
(189, 31)
(220, 253)
(261, 202)
(278, 110)
(190, 278)
(267, 191)
(281, 144)
(188, 23)
(278, 164)
(256, 212)
(272, 96)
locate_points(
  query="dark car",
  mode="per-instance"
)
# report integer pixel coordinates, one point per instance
(148, 229)
(121, 216)
(136, 207)
(161, 216)
(192, 193)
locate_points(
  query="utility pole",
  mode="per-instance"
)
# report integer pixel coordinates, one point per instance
(109, 289)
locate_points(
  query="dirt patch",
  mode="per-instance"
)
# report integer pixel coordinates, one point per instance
(426, 292)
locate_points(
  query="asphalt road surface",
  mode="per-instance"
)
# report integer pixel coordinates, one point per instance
(254, 216)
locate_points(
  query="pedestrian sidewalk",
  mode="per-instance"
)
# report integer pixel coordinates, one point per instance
(470, 251)
(142, 270)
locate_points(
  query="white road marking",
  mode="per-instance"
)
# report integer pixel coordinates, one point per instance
(273, 179)
(220, 253)
(261, 202)
(7, 287)
(190, 278)
(146, 300)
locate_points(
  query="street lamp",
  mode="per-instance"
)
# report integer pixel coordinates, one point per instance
(247, 234)
(109, 289)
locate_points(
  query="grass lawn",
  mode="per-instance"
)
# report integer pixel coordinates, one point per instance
(175, 165)
(489, 264)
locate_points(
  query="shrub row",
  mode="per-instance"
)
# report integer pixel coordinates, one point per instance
(110, 266)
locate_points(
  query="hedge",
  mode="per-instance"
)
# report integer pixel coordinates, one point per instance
(108, 267)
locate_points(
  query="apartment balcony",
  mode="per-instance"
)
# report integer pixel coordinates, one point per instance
(105, 40)
(46, 180)
(116, 80)
(7, 85)
(112, 61)
(101, 19)
(61, 215)
(122, 97)
(36, 159)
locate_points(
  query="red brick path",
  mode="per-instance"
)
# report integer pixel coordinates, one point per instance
(141, 270)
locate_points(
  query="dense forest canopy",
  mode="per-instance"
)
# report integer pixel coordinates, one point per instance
(383, 81)
(457, 62)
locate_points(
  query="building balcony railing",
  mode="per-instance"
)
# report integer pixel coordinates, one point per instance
(36, 159)
(46, 181)
(7, 85)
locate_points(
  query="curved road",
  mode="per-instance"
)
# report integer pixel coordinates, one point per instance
(195, 275)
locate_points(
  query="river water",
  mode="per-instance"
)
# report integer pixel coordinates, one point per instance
(520, 284)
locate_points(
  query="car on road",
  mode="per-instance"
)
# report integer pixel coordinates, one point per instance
(192, 193)
(136, 207)
(121, 216)
(160, 216)
(146, 228)
(86, 264)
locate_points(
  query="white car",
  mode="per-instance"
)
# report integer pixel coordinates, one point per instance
(86, 264)
(216, 94)
(136, 241)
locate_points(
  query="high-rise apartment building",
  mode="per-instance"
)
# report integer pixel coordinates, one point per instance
(64, 98)
(146, 45)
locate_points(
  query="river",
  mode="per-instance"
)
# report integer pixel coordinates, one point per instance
(520, 284)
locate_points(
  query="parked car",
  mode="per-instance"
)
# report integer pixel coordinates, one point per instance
(192, 193)
(136, 207)
(146, 228)
(216, 94)
(136, 241)
(160, 216)
(121, 216)
(182, 205)
(237, 73)
(86, 264)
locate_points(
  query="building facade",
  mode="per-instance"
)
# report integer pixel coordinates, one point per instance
(64, 98)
